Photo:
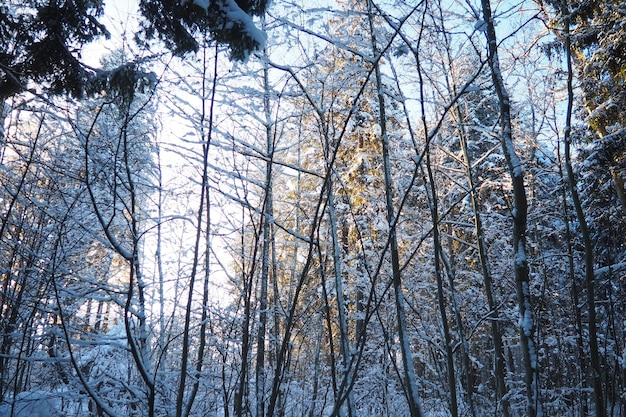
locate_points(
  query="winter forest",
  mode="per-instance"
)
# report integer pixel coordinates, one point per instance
(290, 208)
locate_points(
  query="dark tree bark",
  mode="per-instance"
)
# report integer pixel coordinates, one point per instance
(519, 214)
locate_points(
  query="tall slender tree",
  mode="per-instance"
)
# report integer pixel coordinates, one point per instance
(520, 218)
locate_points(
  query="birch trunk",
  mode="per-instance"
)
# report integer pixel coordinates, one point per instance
(265, 251)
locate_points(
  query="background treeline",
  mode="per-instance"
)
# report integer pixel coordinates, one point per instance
(390, 209)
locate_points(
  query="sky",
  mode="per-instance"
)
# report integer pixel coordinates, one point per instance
(120, 18)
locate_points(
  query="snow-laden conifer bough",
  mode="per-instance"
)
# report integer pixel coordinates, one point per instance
(228, 22)
(42, 41)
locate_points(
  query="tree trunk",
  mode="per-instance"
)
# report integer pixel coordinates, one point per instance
(266, 224)
(519, 214)
(341, 307)
(596, 368)
(410, 379)
(434, 208)
(496, 335)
